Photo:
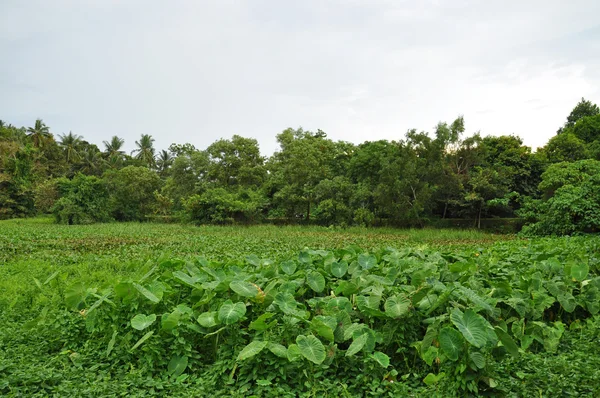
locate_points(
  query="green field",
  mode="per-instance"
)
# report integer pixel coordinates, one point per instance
(174, 310)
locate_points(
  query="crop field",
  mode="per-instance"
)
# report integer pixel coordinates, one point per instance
(130, 309)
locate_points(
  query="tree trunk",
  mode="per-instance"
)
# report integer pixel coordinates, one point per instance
(479, 216)
(445, 209)
(308, 213)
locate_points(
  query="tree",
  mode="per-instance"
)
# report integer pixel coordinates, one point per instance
(164, 160)
(39, 133)
(113, 147)
(565, 147)
(145, 150)
(236, 162)
(83, 200)
(132, 192)
(582, 109)
(70, 143)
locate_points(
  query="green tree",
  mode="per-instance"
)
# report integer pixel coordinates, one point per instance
(132, 192)
(83, 200)
(164, 160)
(39, 133)
(145, 150)
(70, 144)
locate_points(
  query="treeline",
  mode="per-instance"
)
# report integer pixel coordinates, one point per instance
(311, 178)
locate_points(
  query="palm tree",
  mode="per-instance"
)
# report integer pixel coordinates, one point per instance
(39, 133)
(70, 143)
(113, 148)
(91, 161)
(145, 150)
(163, 162)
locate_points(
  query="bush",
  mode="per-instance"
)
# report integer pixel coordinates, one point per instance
(132, 192)
(84, 200)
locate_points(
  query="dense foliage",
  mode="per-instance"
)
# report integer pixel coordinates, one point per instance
(511, 318)
(415, 181)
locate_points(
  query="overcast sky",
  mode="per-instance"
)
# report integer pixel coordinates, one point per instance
(197, 71)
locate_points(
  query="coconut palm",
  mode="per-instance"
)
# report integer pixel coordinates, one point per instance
(145, 150)
(39, 133)
(91, 161)
(164, 160)
(113, 147)
(70, 143)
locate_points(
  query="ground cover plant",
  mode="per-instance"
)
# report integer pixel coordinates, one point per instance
(143, 309)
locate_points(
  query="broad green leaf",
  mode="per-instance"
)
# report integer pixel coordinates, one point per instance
(141, 321)
(580, 271)
(478, 359)
(147, 293)
(339, 269)
(141, 341)
(322, 329)
(293, 353)
(433, 379)
(286, 303)
(304, 257)
(289, 267)
(451, 342)
(357, 344)
(185, 278)
(170, 321)
(472, 326)
(259, 323)
(567, 301)
(397, 306)
(340, 303)
(347, 288)
(353, 329)
(367, 261)
(253, 260)
(311, 348)
(244, 289)
(278, 350)
(507, 342)
(75, 295)
(177, 365)
(381, 358)
(230, 313)
(208, 319)
(316, 281)
(251, 350)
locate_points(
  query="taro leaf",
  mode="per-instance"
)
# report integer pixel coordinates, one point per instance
(451, 342)
(244, 289)
(347, 288)
(230, 313)
(430, 355)
(253, 260)
(478, 359)
(433, 379)
(367, 261)
(352, 329)
(259, 323)
(286, 303)
(365, 303)
(293, 353)
(75, 295)
(208, 319)
(311, 348)
(381, 359)
(579, 271)
(177, 365)
(141, 321)
(304, 257)
(567, 301)
(340, 303)
(472, 326)
(141, 341)
(357, 344)
(125, 291)
(289, 267)
(322, 328)
(251, 350)
(339, 269)
(507, 341)
(170, 321)
(316, 281)
(111, 343)
(397, 306)
(185, 278)
(147, 293)
(278, 350)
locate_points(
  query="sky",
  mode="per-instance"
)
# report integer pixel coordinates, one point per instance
(198, 71)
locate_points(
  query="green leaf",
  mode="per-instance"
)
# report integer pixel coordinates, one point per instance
(580, 271)
(472, 326)
(185, 278)
(170, 321)
(278, 350)
(293, 353)
(141, 321)
(251, 350)
(177, 365)
(311, 348)
(289, 267)
(253, 260)
(367, 261)
(230, 313)
(451, 342)
(305, 257)
(357, 344)
(433, 379)
(316, 281)
(507, 342)
(339, 269)
(141, 341)
(381, 358)
(111, 343)
(397, 306)
(322, 329)
(75, 295)
(567, 301)
(286, 302)
(146, 293)
(244, 289)
(208, 319)
(478, 359)
(259, 323)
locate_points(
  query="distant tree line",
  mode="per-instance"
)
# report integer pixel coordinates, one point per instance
(419, 179)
